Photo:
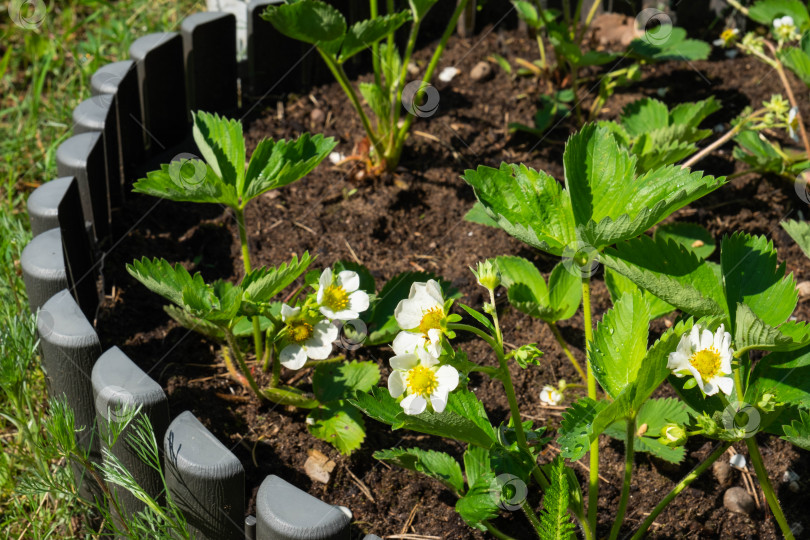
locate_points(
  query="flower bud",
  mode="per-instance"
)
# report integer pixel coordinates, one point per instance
(673, 435)
(528, 354)
(767, 403)
(487, 275)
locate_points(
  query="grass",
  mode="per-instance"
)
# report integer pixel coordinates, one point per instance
(44, 73)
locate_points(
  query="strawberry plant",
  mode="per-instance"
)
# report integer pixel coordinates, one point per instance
(296, 332)
(323, 26)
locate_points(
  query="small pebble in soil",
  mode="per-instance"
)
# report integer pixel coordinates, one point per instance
(804, 289)
(737, 461)
(481, 72)
(413, 70)
(448, 74)
(790, 476)
(738, 500)
(722, 471)
(316, 117)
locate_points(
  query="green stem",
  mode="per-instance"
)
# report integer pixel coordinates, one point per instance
(268, 357)
(506, 379)
(343, 80)
(240, 221)
(680, 486)
(588, 20)
(767, 488)
(542, 47)
(575, 89)
(400, 84)
(375, 48)
(556, 331)
(529, 511)
(498, 333)
(477, 331)
(628, 476)
(237, 353)
(739, 7)
(593, 480)
(491, 529)
(434, 61)
(566, 7)
(276, 371)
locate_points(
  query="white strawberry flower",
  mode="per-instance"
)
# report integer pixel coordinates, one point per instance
(793, 123)
(305, 338)
(421, 379)
(339, 297)
(550, 395)
(706, 357)
(785, 28)
(422, 317)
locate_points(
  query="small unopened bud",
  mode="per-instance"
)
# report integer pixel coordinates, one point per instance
(708, 425)
(767, 403)
(673, 435)
(487, 275)
(529, 354)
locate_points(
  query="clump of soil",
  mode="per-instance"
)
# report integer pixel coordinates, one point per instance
(412, 219)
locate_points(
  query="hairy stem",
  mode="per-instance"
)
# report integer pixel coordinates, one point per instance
(575, 89)
(348, 89)
(561, 340)
(242, 365)
(396, 104)
(589, 19)
(240, 220)
(628, 476)
(276, 371)
(680, 486)
(533, 519)
(491, 529)
(593, 480)
(780, 69)
(739, 7)
(375, 48)
(392, 156)
(767, 488)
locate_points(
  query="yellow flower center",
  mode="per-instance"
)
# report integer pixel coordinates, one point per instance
(335, 298)
(728, 34)
(431, 319)
(300, 331)
(706, 362)
(422, 381)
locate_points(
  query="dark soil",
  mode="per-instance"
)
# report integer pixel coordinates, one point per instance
(412, 220)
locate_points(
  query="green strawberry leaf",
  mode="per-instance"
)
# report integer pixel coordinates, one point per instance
(262, 284)
(438, 465)
(275, 164)
(620, 343)
(671, 272)
(339, 424)
(800, 232)
(752, 276)
(331, 381)
(310, 21)
(690, 235)
(364, 34)
(222, 145)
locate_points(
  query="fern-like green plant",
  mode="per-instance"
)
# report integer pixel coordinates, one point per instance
(555, 522)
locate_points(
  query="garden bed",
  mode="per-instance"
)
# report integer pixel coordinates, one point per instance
(412, 219)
